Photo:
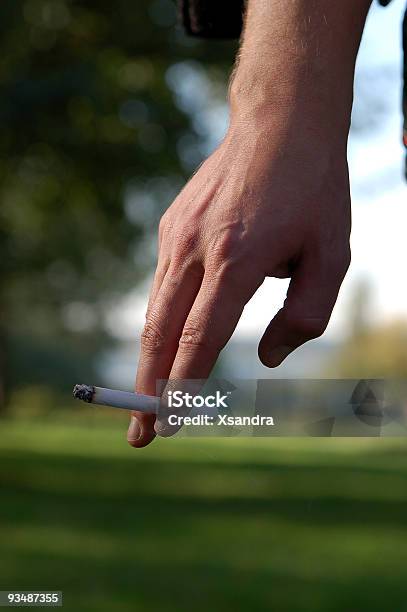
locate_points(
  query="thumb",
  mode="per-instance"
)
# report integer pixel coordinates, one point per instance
(141, 429)
(306, 312)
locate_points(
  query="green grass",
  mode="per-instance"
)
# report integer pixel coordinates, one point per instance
(231, 525)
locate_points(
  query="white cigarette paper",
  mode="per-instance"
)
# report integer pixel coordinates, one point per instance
(116, 399)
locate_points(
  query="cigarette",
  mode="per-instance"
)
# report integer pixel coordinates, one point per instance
(116, 399)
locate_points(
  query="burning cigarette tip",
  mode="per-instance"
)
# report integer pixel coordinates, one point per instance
(84, 392)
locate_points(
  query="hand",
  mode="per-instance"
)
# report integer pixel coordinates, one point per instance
(272, 200)
(268, 202)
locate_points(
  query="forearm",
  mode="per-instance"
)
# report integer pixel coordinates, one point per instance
(297, 62)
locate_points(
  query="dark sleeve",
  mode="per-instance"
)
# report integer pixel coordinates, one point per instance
(212, 18)
(216, 18)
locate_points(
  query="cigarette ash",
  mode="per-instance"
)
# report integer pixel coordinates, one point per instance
(83, 392)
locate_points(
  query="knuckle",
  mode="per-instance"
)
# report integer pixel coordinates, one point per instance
(191, 336)
(194, 337)
(152, 337)
(186, 241)
(227, 247)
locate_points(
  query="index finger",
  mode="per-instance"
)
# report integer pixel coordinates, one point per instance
(209, 325)
(166, 317)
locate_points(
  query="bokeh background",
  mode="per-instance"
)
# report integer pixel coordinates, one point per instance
(106, 109)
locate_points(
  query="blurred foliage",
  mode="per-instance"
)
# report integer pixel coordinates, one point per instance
(371, 349)
(91, 152)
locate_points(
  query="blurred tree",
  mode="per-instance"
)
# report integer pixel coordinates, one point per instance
(91, 152)
(380, 352)
(360, 309)
(370, 350)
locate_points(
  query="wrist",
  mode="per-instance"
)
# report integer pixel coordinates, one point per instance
(303, 101)
(296, 64)
(265, 140)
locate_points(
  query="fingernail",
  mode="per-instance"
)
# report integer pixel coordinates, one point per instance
(134, 431)
(278, 355)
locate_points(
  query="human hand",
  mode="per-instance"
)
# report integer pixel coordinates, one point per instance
(266, 203)
(272, 200)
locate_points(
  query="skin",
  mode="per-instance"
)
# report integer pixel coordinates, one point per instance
(272, 200)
